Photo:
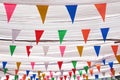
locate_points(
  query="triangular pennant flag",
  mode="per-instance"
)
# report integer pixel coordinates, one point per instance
(5, 70)
(74, 76)
(24, 77)
(16, 77)
(16, 71)
(60, 64)
(61, 34)
(46, 65)
(111, 64)
(15, 33)
(37, 79)
(7, 77)
(51, 74)
(118, 58)
(80, 50)
(62, 50)
(80, 72)
(78, 77)
(104, 61)
(89, 63)
(112, 71)
(4, 64)
(38, 34)
(61, 72)
(91, 71)
(69, 78)
(65, 77)
(12, 49)
(31, 77)
(103, 73)
(47, 77)
(70, 73)
(74, 70)
(39, 73)
(85, 33)
(52, 78)
(101, 9)
(61, 78)
(45, 49)
(74, 63)
(96, 77)
(115, 49)
(32, 64)
(98, 67)
(42, 11)
(34, 76)
(27, 72)
(18, 65)
(28, 49)
(9, 10)
(104, 32)
(86, 77)
(97, 50)
(86, 69)
(72, 11)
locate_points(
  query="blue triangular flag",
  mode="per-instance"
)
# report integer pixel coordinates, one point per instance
(104, 61)
(111, 64)
(104, 32)
(31, 77)
(27, 72)
(34, 76)
(96, 77)
(97, 50)
(72, 11)
(4, 64)
(37, 79)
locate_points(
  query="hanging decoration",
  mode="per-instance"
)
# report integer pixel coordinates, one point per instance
(115, 49)
(74, 63)
(45, 49)
(61, 34)
(60, 64)
(97, 50)
(80, 50)
(15, 33)
(12, 49)
(85, 33)
(62, 50)
(104, 32)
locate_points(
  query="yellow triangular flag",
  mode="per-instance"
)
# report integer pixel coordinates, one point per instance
(39, 73)
(118, 58)
(86, 77)
(18, 65)
(42, 11)
(43, 75)
(80, 50)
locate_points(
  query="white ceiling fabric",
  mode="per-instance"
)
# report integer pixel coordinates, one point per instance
(27, 19)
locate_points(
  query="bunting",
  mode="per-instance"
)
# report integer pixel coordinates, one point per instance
(86, 69)
(27, 72)
(115, 49)
(91, 72)
(111, 64)
(15, 33)
(70, 74)
(85, 33)
(96, 77)
(12, 49)
(5, 70)
(104, 61)
(61, 34)
(32, 64)
(97, 50)
(98, 67)
(74, 71)
(118, 58)
(7, 77)
(60, 64)
(80, 72)
(104, 32)
(45, 49)
(89, 63)
(62, 50)
(18, 65)
(28, 49)
(80, 50)
(4, 64)
(74, 63)
(46, 65)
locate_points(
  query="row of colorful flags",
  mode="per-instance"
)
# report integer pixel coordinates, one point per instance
(42, 9)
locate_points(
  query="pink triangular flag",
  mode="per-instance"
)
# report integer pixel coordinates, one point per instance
(78, 77)
(46, 65)
(32, 64)
(15, 33)
(9, 10)
(45, 49)
(62, 50)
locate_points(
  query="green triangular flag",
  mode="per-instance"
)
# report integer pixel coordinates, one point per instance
(74, 76)
(52, 78)
(86, 69)
(12, 49)
(74, 63)
(16, 77)
(61, 35)
(5, 70)
(80, 72)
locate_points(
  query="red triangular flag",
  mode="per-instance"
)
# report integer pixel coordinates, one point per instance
(85, 33)
(7, 77)
(16, 71)
(74, 70)
(65, 77)
(101, 9)
(70, 74)
(61, 78)
(9, 10)
(28, 50)
(98, 67)
(38, 34)
(60, 64)
(115, 49)
(89, 63)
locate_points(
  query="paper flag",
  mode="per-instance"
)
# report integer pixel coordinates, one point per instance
(45, 49)
(60, 64)
(56, 77)
(16, 77)
(7, 77)
(9, 10)
(74, 76)
(103, 73)
(61, 78)
(74, 63)
(24, 77)
(31, 77)
(28, 50)
(65, 77)
(61, 34)
(61, 72)
(91, 72)
(38, 34)
(34, 76)
(28, 78)
(112, 71)
(52, 78)
(62, 50)
(70, 73)
(80, 72)
(78, 77)
(39, 73)
(104, 61)
(47, 77)
(115, 49)
(18, 65)
(32, 64)
(80, 50)
(85, 33)
(89, 63)
(118, 58)
(86, 77)
(101, 9)
(4, 64)
(69, 78)
(74, 70)
(27, 72)
(96, 77)
(12, 49)
(86, 69)
(104, 32)
(37, 79)
(72, 11)
(111, 64)
(97, 50)
(15, 33)
(51, 74)
(98, 67)
(5, 70)
(16, 71)
(42, 11)
(46, 65)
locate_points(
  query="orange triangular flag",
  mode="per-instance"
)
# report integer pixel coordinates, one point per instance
(18, 65)
(89, 63)
(85, 33)
(118, 58)
(91, 72)
(101, 9)
(98, 67)
(42, 11)
(80, 50)
(115, 49)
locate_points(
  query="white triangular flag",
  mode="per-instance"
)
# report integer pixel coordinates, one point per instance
(15, 33)
(46, 65)
(45, 49)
